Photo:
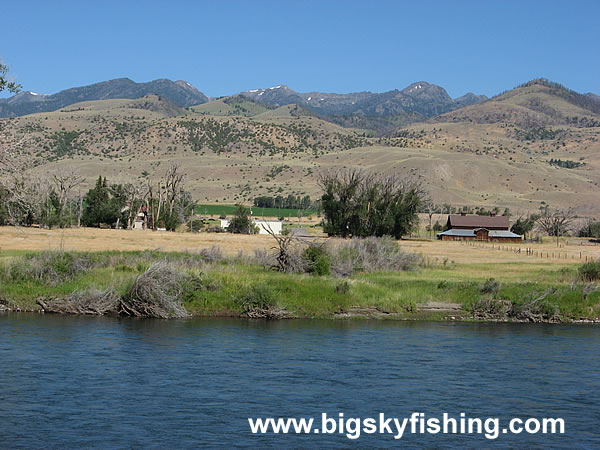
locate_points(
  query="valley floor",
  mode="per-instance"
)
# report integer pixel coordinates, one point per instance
(570, 250)
(456, 281)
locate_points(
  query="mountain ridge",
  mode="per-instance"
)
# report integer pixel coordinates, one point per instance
(180, 92)
(379, 111)
(370, 110)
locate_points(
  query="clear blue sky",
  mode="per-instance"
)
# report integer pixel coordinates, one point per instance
(224, 47)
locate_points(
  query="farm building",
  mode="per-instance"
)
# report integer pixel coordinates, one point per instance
(463, 227)
(264, 226)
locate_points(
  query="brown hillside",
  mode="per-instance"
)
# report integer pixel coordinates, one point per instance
(496, 153)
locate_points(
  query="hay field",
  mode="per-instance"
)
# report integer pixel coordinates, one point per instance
(92, 239)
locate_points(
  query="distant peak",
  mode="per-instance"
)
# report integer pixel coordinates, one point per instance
(419, 85)
(273, 88)
(185, 84)
(119, 79)
(32, 93)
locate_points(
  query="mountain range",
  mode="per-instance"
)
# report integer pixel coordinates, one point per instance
(376, 111)
(415, 103)
(180, 93)
(535, 145)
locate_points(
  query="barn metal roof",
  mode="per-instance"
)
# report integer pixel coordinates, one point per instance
(492, 233)
(502, 233)
(454, 232)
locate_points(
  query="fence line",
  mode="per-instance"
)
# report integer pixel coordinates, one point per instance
(529, 251)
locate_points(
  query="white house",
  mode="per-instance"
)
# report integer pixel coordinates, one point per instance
(263, 225)
(271, 225)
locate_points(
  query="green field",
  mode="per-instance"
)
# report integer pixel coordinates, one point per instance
(217, 210)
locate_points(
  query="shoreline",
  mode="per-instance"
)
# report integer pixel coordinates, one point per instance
(459, 317)
(6, 312)
(208, 284)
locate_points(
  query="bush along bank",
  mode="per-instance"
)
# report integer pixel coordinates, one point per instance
(354, 278)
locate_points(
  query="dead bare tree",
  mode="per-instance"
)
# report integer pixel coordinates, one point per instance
(28, 198)
(63, 182)
(556, 222)
(166, 192)
(174, 181)
(430, 208)
(136, 195)
(289, 258)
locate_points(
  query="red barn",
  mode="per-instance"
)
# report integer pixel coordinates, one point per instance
(463, 227)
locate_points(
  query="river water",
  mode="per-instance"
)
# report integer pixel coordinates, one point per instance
(69, 382)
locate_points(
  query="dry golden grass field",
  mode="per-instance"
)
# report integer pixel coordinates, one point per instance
(571, 250)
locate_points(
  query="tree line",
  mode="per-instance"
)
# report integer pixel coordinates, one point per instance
(57, 201)
(353, 203)
(289, 202)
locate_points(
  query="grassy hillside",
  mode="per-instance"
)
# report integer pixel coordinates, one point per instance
(497, 153)
(230, 106)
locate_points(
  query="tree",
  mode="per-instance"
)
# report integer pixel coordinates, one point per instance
(524, 225)
(241, 223)
(591, 228)
(63, 183)
(5, 84)
(169, 204)
(430, 209)
(355, 203)
(555, 222)
(26, 199)
(99, 208)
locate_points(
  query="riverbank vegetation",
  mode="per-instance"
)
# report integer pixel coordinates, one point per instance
(160, 284)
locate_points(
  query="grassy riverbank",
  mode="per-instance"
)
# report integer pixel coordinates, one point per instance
(212, 285)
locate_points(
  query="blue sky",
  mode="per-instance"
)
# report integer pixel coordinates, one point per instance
(224, 47)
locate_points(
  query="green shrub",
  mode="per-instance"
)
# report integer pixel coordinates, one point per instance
(50, 267)
(442, 284)
(490, 286)
(124, 268)
(318, 260)
(259, 302)
(141, 267)
(343, 287)
(590, 271)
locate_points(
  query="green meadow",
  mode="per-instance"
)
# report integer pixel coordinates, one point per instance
(213, 285)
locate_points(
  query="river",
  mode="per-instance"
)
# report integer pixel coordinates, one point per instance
(68, 381)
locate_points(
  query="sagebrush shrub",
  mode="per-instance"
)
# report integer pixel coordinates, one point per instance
(590, 271)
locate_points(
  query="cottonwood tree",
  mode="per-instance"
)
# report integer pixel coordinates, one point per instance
(63, 182)
(556, 222)
(174, 188)
(136, 197)
(168, 201)
(591, 228)
(431, 208)
(27, 199)
(524, 224)
(357, 203)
